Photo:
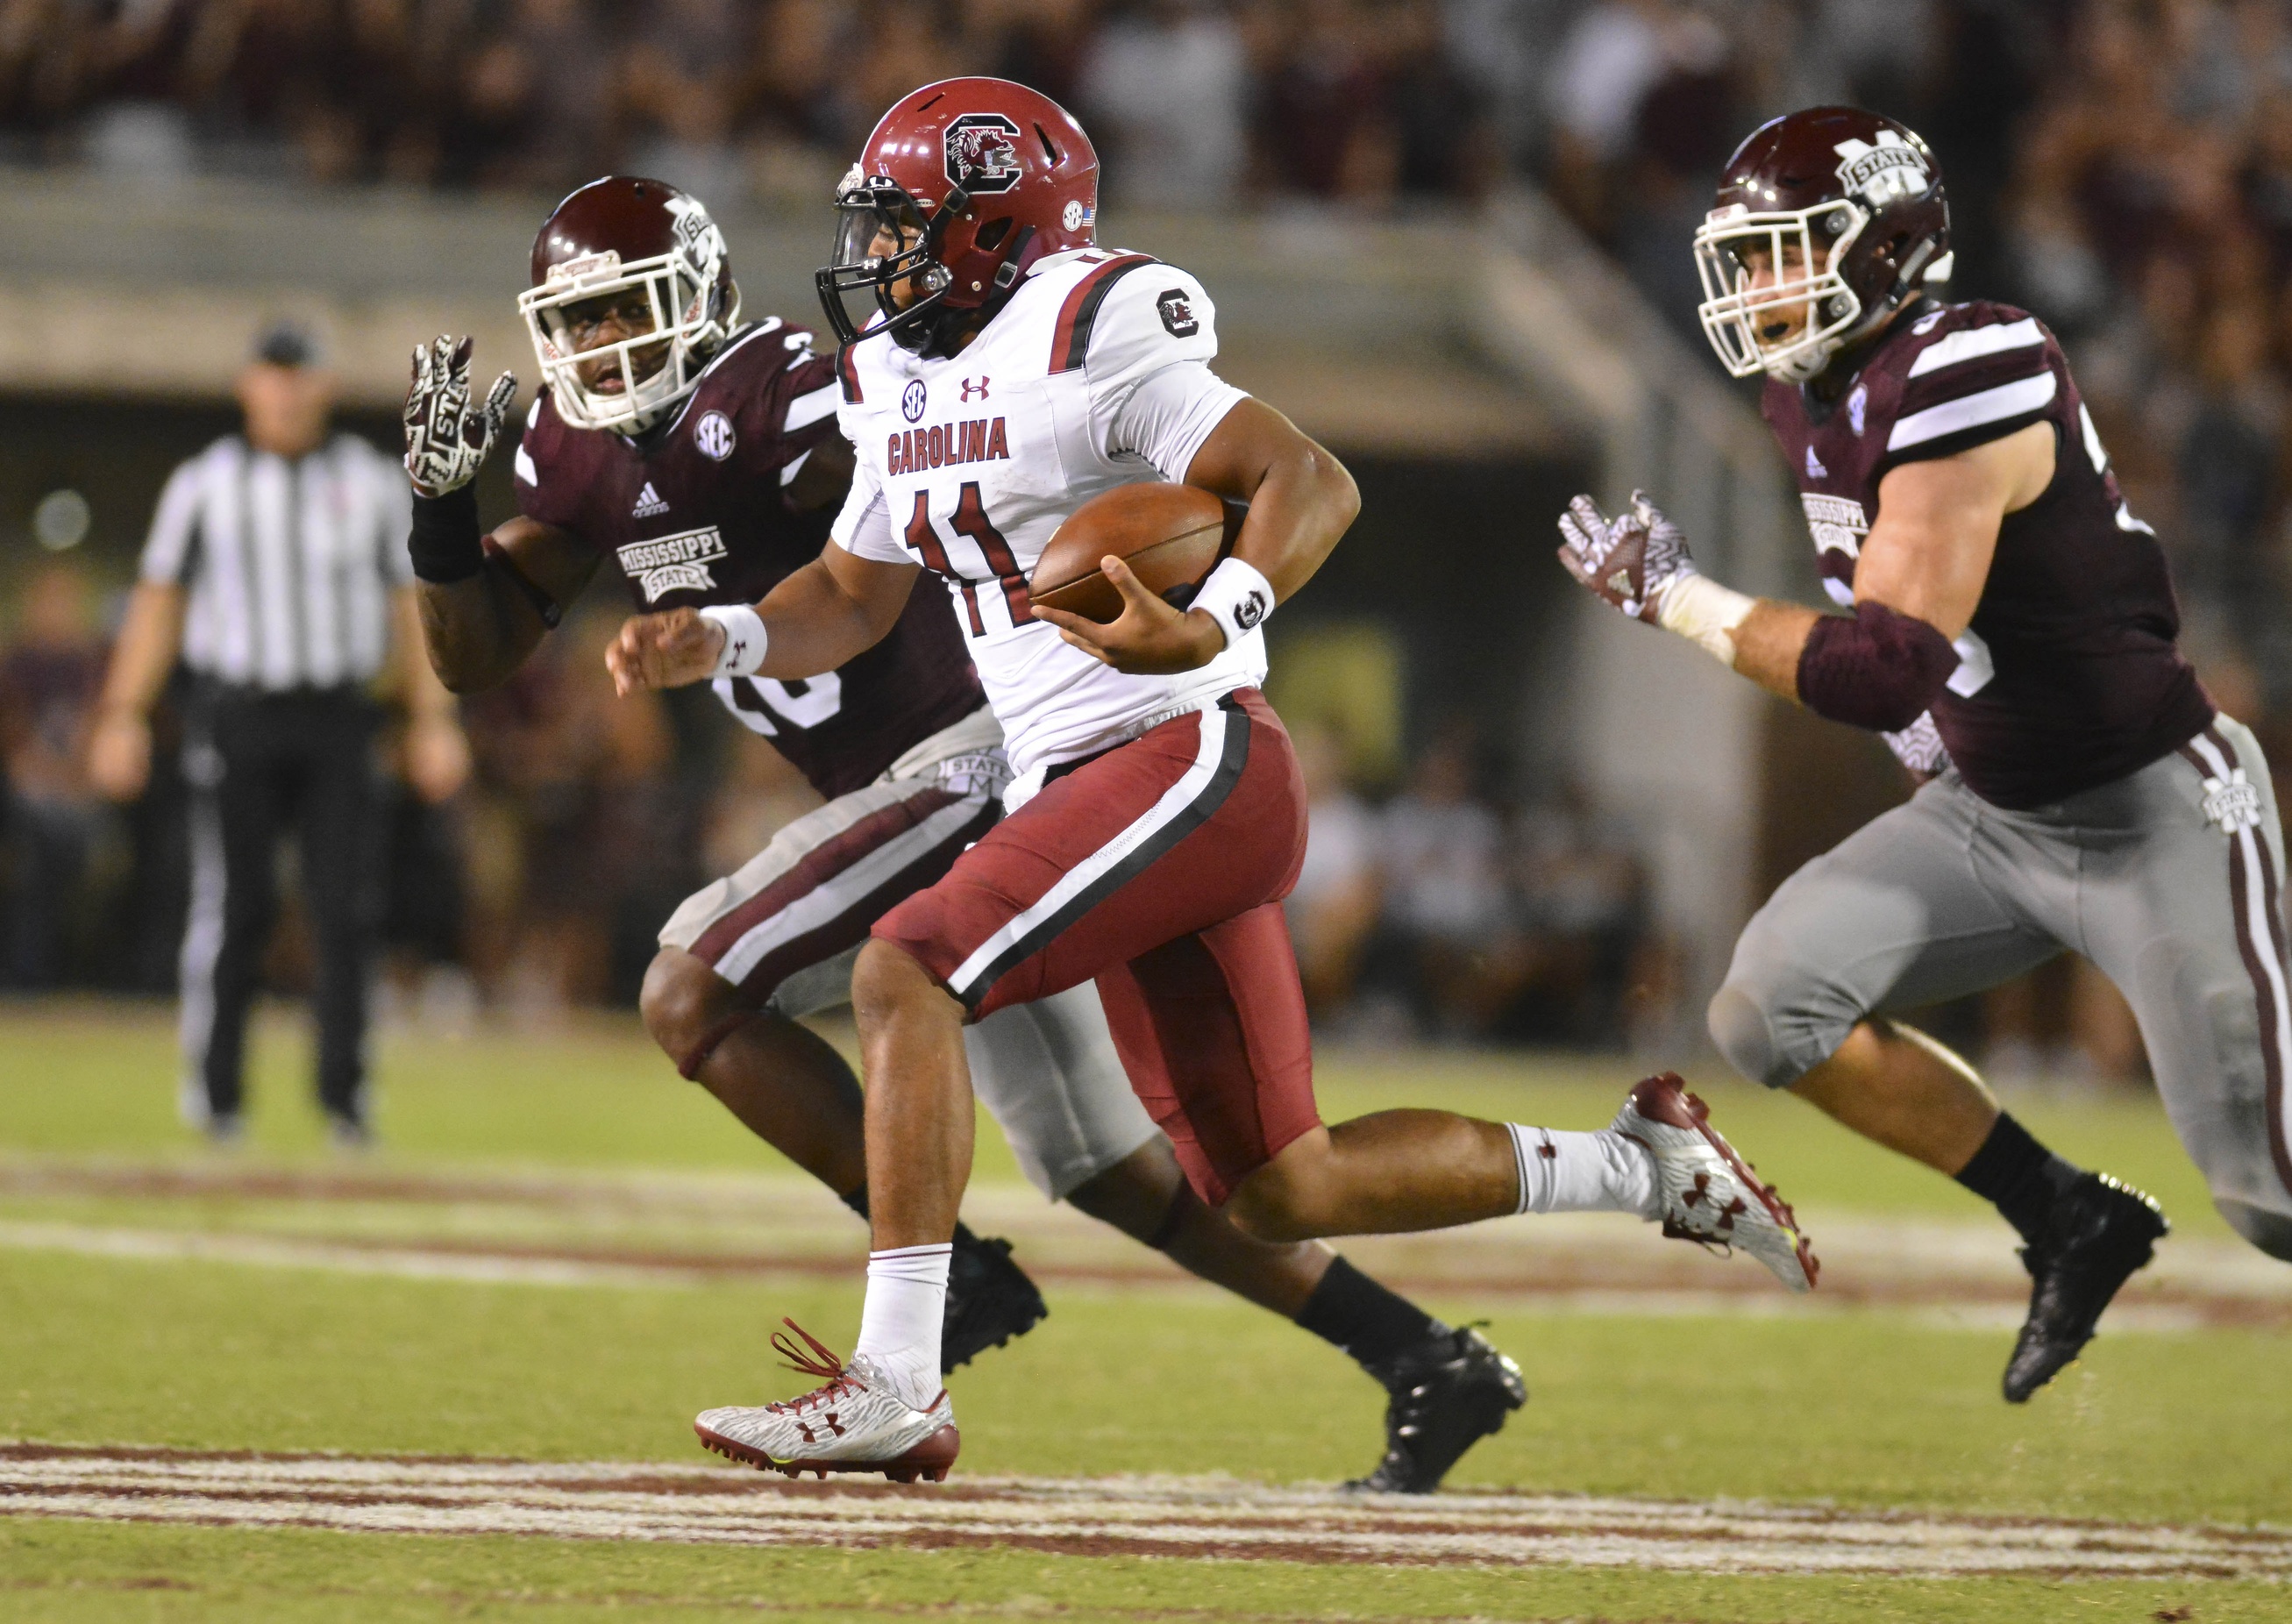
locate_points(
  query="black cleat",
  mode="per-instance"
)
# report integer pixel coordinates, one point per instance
(989, 1300)
(1447, 1396)
(2099, 1231)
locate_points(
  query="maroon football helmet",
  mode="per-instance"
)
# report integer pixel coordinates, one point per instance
(1845, 211)
(625, 234)
(962, 185)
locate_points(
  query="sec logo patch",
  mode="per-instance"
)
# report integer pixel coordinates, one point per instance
(713, 435)
(912, 399)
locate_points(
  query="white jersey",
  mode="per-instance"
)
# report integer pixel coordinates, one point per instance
(1094, 375)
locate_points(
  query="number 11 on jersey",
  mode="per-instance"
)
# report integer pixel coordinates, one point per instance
(971, 522)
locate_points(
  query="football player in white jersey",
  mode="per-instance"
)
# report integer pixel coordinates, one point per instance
(1009, 371)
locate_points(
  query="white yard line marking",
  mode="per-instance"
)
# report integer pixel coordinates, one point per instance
(1628, 1287)
(588, 1229)
(1201, 1518)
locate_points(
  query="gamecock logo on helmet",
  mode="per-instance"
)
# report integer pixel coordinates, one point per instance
(983, 153)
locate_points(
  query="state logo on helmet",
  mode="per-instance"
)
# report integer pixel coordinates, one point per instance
(632, 293)
(960, 189)
(1827, 221)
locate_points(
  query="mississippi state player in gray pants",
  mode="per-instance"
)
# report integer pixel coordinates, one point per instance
(2010, 629)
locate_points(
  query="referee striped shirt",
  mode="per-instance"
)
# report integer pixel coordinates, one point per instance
(289, 564)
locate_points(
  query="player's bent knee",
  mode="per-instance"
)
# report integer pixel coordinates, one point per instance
(1742, 1033)
(1277, 1204)
(688, 1008)
(886, 977)
(2270, 1231)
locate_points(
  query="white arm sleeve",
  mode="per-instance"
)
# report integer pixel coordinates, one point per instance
(864, 528)
(167, 554)
(1152, 394)
(1169, 413)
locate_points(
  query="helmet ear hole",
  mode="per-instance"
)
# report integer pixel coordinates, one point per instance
(989, 236)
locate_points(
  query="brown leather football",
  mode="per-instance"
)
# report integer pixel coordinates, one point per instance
(1171, 535)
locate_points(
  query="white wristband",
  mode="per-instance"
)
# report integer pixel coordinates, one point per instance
(1236, 597)
(743, 654)
(1704, 612)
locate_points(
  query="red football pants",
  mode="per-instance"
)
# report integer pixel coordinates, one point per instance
(1158, 869)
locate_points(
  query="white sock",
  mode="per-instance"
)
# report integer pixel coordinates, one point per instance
(899, 1326)
(1596, 1172)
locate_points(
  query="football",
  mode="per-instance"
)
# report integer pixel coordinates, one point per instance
(1171, 535)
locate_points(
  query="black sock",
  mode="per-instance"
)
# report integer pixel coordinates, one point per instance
(2019, 1175)
(1369, 1323)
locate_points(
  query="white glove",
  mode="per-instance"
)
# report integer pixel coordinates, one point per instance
(1630, 560)
(1920, 746)
(1637, 563)
(445, 441)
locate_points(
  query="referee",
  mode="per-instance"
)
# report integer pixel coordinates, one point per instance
(276, 569)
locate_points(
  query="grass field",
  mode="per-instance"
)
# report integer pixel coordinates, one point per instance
(562, 1253)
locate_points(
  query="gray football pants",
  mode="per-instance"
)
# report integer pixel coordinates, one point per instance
(2166, 879)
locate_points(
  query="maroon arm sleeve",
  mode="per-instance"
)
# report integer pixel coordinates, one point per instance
(1879, 670)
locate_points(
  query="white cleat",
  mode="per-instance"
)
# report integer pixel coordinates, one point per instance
(854, 1423)
(1710, 1193)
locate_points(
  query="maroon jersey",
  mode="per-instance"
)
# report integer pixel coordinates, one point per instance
(2068, 676)
(695, 512)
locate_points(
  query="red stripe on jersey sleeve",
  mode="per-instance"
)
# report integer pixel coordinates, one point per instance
(1071, 339)
(847, 370)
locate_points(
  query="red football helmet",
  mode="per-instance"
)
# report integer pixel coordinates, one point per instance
(625, 235)
(1856, 200)
(963, 186)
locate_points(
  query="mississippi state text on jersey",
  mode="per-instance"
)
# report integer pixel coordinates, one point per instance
(695, 512)
(1093, 375)
(2068, 676)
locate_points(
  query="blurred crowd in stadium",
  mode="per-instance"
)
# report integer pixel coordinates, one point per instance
(2123, 167)
(1432, 908)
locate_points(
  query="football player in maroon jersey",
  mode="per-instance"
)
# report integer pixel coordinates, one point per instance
(2010, 629)
(699, 453)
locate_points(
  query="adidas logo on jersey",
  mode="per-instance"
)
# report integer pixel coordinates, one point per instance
(649, 503)
(1814, 468)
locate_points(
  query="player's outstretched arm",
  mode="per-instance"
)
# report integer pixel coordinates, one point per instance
(837, 607)
(480, 626)
(1300, 502)
(1919, 578)
(484, 604)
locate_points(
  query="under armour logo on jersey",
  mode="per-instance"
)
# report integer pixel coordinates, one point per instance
(2234, 803)
(1814, 468)
(649, 503)
(983, 382)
